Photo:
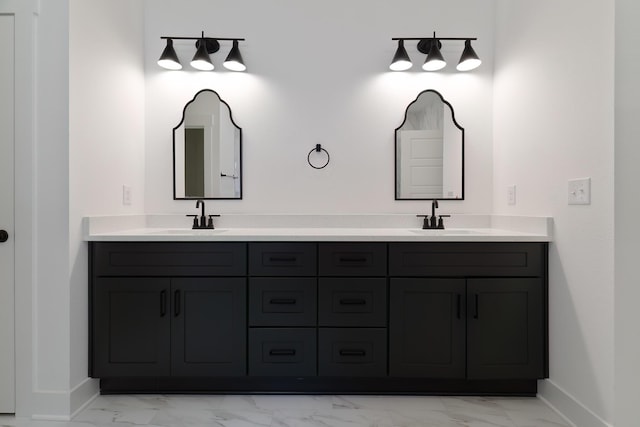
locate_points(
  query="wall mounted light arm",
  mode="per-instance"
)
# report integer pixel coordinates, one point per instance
(434, 60)
(205, 46)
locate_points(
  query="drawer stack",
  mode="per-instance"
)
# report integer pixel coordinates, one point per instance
(352, 310)
(282, 309)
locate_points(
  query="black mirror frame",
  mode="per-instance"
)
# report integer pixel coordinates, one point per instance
(395, 147)
(184, 110)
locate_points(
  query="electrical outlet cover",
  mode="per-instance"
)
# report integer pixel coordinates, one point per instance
(126, 195)
(580, 191)
(511, 195)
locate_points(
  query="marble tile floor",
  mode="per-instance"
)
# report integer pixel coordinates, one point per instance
(305, 411)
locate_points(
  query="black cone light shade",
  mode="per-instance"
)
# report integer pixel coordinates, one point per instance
(201, 60)
(169, 59)
(434, 61)
(401, 61)
(234, 60)
(469, 59)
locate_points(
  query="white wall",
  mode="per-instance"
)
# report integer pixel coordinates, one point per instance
(627, 212)
(553, 121)
(51, 297)
(106, 144)
(318, 73)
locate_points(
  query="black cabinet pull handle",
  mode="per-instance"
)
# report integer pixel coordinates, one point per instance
(282, 301)
(176, 303)
(282, 258)
(352, 301)
(352, 352)
(477, 312)
(282, 352)
(163, 303)
(459, 305)
(4, 236)
(352, 259)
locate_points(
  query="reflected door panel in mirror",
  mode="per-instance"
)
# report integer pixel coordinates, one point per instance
(429, 151)
(207, 151)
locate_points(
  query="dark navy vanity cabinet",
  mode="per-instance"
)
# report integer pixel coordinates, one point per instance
(319, 317)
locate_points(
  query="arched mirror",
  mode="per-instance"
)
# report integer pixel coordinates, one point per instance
(429, 156)
(207, 150)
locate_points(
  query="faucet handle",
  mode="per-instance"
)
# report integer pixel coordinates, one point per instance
(195, 221)
(425, 223)
(210, 222)
(440, 222)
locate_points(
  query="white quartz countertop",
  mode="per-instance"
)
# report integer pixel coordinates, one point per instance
(402, 228)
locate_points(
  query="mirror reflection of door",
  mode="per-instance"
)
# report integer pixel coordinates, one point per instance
(207, 151)
(194, 162)
(429, 151)
(421, 164)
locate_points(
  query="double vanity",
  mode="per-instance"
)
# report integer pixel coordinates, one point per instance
(347, 306)
(318, 304)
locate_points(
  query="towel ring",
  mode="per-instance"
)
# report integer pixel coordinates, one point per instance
(318, 149)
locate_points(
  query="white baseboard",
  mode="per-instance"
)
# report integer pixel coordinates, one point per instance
(83, 394)
(568, 407)
(58, 405)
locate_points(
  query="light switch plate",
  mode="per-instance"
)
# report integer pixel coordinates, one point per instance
(511, 195)
(580, 191)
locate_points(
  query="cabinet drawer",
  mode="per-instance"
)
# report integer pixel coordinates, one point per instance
(282, 351)
(282, 259)
(285, 301)
(352, 352)
(352, 302)
(352, 259)
(506, 259)
(169, 259)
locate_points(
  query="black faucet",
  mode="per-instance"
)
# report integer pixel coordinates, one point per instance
(203, 218)
(433, 223)
(434, 206)
(203, 223)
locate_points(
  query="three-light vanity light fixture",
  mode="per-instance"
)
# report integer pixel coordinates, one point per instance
(205, 46)
(434, 61)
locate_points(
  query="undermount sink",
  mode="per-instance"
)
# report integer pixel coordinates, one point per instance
(448, 231)
(187, 231)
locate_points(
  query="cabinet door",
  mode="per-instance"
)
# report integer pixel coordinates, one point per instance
(208, 329)
(131, 326)
(505, 328)
(427, 328)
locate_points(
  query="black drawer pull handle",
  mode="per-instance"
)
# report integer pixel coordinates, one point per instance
(282, 259)
(283, 301)
(352, 259)
(163, 303)
(352, 301)
(282, 352)
(177, 303)
(352, 352)
(476, 315)
(459, 304)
